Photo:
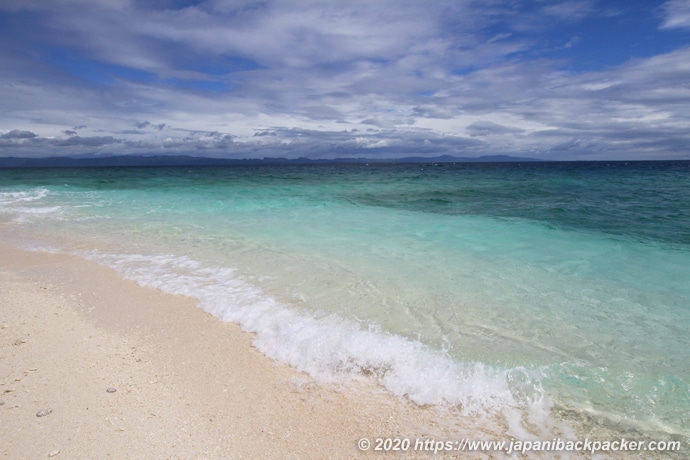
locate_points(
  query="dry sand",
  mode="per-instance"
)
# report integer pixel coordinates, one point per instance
(186, 385)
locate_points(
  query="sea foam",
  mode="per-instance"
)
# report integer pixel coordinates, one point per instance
(23, 196)
(21, 204)
(332, 348)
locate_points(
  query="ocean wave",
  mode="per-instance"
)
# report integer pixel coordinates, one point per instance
(25, 206)
(332, 348)
(8, 198)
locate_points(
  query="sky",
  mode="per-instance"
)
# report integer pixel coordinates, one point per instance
(552, 80)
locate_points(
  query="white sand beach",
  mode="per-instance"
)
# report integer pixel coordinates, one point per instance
(124, 371)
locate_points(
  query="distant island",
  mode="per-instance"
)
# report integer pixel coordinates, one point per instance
(186, 160)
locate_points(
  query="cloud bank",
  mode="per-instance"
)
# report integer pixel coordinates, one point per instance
(240, 79)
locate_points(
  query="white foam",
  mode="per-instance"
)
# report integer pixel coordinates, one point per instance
(332, 348)
(37, 210)
(21, 204)
(18, 197)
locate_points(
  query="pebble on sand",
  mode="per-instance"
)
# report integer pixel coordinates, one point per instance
(44, 412)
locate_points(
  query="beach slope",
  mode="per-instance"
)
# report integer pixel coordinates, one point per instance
(95, 366)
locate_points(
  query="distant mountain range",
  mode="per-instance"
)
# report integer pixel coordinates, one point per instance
(181, 160)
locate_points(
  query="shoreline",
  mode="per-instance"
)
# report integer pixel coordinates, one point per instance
(93, 365)
(186, 385)
(496, 329)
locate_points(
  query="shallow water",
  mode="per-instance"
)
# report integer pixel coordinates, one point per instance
(488, 287)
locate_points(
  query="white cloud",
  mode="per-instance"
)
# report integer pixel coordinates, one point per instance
(405, 75)
(569, 10)
(38, 5)
(677, 14)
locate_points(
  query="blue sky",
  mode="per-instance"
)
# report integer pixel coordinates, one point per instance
(555, 80)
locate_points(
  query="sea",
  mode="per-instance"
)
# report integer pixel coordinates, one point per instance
(544, 293)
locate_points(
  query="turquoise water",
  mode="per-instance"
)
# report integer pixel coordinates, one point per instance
(543, 290)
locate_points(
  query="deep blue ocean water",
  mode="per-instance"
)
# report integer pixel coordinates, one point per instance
(543, 290)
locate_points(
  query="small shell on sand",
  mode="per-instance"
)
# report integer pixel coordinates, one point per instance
(111, 390)
(44, 412)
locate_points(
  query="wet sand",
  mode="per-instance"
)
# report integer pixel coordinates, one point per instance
(185, 384)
